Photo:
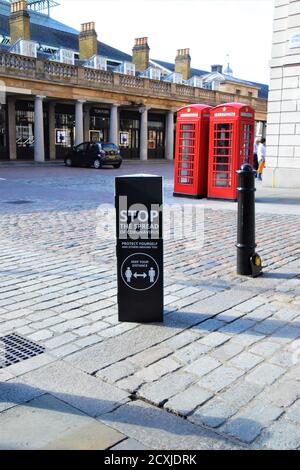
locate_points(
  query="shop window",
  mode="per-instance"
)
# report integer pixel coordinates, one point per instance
(151, 140)
(24, 129)
(129, 136)
(99, 125)
(156, 136)
(64, 129)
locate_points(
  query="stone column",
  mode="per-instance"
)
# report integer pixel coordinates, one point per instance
(52, 146)
(11, 103)
(144, 134)
(113, 129)
(169, 153)
(39, 144)
(79, 122)
(86, 123)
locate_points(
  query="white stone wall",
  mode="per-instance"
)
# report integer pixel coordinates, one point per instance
(283, 130)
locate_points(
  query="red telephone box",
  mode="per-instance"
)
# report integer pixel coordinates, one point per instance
(231, 141)
(191, 155)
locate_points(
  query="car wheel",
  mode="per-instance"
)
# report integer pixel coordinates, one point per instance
(118, 165)
(97, 164)
(68, 162)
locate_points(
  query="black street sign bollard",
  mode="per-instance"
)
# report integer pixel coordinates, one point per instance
(248, 261)
(138, 203)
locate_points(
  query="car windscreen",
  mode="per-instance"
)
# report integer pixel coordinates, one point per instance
(109, 147)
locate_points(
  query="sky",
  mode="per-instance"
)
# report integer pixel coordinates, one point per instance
(210, 28)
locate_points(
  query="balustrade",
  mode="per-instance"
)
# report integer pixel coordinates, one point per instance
(60, 70)
(131, 81)
(14, 64)
(98, 76)
(160, 87)
(17, 62)
(185, 90)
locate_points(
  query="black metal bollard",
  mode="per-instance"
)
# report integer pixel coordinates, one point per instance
(248, 261)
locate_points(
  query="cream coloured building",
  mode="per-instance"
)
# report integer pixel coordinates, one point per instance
(283, 129)
(60, 87)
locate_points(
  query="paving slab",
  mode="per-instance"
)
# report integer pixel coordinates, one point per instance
(284, 393)
(13, 393)
(245, 361)
(182, 339)
(89, 394)
(115, 349)
(158, 369)
(157, 429)
(186, 402)
(220, 378)
(293, 413)
(31, 364)
(129, 444)
(217, 410)
(265, 374)
(190, 353)
(117, 371)
(58, 286)
(282, 435)
(265, 348)
(160, 391)
(203, 366)
(151, 355)
(49, 423)
(5, 376)
(248, 424)
(227, 351)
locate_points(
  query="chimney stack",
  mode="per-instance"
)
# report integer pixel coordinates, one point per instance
(88, 45)
(19, 21)
(140, 54)
(183, 63)
(217, 68)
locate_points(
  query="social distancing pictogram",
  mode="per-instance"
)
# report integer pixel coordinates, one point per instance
(140, 271)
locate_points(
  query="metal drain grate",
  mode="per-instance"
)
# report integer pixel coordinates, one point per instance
(15, 348)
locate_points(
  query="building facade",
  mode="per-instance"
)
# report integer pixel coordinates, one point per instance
(283, 131)
(60, 87)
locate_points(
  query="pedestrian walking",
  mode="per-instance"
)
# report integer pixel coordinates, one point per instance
(261, 156)
(255, 158)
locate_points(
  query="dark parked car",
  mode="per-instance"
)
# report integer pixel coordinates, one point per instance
(96, 154)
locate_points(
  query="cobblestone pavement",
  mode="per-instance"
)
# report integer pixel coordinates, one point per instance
(221, 372)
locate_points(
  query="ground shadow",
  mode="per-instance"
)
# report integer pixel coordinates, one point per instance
(278, 200)
(243, 324)
(150, 417)
(274, 275)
